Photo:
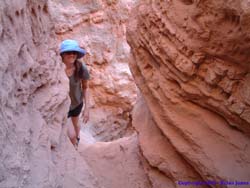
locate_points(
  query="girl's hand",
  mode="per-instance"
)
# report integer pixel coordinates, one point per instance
(85, 115)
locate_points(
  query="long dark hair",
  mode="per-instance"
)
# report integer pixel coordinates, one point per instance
(78, 70)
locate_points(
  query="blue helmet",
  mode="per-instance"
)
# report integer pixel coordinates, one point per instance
(72, 45)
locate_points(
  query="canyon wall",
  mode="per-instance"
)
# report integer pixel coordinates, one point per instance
(99, 27)
(190, 60)
(35, 151)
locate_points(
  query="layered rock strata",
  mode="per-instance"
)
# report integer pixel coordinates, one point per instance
(191, 63)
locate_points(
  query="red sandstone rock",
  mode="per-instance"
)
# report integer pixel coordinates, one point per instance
(168, 166)
(35, 151)
(191, 63)
(116, 163)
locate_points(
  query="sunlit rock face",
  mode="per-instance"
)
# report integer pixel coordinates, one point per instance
(33, 103)
(191, 63)
(99, 26)
(117, 163)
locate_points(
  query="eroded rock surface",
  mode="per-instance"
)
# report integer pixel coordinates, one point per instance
(117, 163)
(191, 63)
(35, 150)
(33, 104)
(159, 152)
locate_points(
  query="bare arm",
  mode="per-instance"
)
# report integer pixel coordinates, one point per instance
(85, 85)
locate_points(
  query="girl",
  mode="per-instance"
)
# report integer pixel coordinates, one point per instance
(78, 75)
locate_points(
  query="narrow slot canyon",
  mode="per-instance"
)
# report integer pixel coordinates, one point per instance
(169, 94)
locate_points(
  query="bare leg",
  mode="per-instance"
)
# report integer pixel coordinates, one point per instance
(76, 128)
(71, 133)
(73, 141)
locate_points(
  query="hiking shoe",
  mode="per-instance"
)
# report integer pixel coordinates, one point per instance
(76, 147)
(77, 141)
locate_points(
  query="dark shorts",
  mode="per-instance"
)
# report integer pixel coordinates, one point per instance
(76, 111)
